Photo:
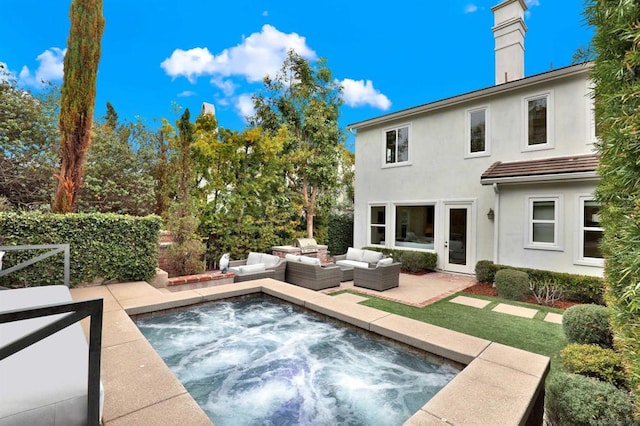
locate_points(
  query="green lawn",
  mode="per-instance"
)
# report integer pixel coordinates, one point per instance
(534, 335)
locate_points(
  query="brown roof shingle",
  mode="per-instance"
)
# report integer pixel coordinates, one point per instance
(545, 166)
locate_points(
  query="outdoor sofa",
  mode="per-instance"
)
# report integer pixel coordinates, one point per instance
(45, 383)
(308, 272)
(358, 258)
(258, 265)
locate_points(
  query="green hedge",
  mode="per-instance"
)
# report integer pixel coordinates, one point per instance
(427, 262)
(102, 246)
(580, 288)
(340, 233)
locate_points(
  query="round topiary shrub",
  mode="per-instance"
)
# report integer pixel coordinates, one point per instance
(485, 271)
(512, 284)
(414, 261)
(572, 399)
(594, 361)
(588, 324)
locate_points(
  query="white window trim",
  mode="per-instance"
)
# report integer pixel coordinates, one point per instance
(386, 165)
(578, 257)
(370, 225)
(487, 132)
(392, 229)
(550, 122)
(558, 230)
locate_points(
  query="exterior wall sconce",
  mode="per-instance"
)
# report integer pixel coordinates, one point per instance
(491, 215)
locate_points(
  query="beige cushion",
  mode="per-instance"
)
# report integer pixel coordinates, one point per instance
(309, 260)
(370, 256)
(355, 254)
(269, 260)
(352, 264)
(292, 257)
(385, 261)
(246, 269)
(254, 258)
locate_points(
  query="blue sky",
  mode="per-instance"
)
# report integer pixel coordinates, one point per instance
(388, 56)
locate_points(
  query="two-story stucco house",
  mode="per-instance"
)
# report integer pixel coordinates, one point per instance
(506, 173)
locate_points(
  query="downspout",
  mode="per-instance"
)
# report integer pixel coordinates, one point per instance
(496, 224)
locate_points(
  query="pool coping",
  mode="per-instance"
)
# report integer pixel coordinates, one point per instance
(499, 385)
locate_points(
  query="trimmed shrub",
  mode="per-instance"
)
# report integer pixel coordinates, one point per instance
(102, 246)
(512, 284)
(485, 272)
(588, 324)
(594, 361)
(340, 233)
(578, 288)
(572, 399)
(413, 261)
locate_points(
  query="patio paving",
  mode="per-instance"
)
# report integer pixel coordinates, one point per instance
(470, 301)
(417, 290)
(515, 310)
(554, 318)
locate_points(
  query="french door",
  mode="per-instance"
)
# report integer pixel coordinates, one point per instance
(458, 238)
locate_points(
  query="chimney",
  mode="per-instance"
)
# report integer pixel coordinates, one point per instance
(508, 31)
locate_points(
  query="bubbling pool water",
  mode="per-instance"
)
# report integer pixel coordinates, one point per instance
(254, 360)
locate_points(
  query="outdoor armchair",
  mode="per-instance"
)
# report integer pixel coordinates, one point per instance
(381, 278)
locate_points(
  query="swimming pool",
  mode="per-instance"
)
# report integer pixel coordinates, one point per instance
(255, 360)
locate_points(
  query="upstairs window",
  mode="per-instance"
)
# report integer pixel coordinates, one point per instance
(538, 122)
(396, 145)
(477, 128)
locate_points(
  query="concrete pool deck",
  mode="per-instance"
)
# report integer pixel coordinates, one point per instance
(499, 385)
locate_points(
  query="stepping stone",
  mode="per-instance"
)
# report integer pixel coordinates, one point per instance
(515, 310)
(353, 298)
(554, 318)
(470, 301)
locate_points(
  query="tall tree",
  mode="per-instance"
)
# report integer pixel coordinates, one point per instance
(305, 100)
(78, 97)
(616, 76)
(117, 177)
(29, 141)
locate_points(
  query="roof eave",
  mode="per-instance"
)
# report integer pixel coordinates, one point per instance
(591, 175)
(475, 95)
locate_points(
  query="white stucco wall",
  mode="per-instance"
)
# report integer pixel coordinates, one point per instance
(438, 170)
(513, 210)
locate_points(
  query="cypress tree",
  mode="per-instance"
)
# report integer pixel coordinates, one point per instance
(78, 98)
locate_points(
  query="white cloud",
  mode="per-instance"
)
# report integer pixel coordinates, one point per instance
(531, 3)
(265, 13)
(227, 86)
(50, 68)
(186, 94)
(470, 8)
(259, 54)
(244, 105)
(362, 93)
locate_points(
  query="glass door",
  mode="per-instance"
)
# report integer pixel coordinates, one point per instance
(457, 238)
